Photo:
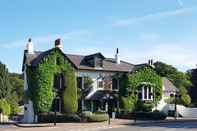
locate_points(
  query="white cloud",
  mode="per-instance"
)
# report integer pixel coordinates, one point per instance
(151, 17)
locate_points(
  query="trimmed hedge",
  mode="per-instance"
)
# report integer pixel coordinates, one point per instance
(61, 118)
(41, 82)
(94, 117)
(155, 115)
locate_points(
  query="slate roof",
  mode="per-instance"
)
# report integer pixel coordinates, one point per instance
(109, 64)
(168, 85)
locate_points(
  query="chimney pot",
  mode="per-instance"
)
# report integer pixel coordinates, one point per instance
(57, 42)
(30, 48)
(117, 56)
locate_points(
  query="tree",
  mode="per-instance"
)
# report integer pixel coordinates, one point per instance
(5, 86)
(192, 74)
(178, 78)
(17, 86)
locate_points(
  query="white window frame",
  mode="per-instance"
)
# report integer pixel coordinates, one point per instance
(147, 93)
(98, 81)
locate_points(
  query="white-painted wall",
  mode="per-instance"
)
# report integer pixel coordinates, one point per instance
(29, 112)
(94, 75)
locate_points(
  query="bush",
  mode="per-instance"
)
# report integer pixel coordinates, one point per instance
(185, 100)
(94, 117)
(50, 118)
(145, 106)
(156, 115)
(128, 103)
(5, 107)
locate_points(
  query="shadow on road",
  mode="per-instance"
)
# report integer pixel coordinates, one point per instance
(170, 124)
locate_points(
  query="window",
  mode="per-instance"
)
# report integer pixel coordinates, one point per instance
(100, 84)
(57, 104)
(98, 62)
(147, 93)
(58, 81)
(79, 82)
(115, 84)
(58, 61)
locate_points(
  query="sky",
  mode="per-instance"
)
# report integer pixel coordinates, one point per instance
(162, 30)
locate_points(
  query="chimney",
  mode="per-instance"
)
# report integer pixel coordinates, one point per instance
(30, 48)
(117, 56)
(150, 62)
(58, 43)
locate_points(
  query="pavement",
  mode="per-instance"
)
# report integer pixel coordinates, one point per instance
(116, 125)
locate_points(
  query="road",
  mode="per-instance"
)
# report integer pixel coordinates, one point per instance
(170, 126)
(174, 126)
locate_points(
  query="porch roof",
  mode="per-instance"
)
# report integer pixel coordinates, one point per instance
(101, 95)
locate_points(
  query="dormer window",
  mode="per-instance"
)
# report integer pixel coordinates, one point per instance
(94, 60)
(98, 62)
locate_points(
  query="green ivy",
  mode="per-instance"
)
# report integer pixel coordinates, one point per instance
(146, 75)
(41, 80)
(131, 83)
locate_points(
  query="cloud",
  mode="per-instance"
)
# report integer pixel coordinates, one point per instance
(46, 39)
(151, 17)
(181, 54)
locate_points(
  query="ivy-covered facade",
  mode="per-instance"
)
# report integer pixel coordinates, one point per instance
(65, 83)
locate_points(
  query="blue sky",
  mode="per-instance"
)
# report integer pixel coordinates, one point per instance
(165, 30)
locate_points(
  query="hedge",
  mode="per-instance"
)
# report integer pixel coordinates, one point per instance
(155, 115)
(61, 118)
(4, 107)
(41, 82)
(94, 117)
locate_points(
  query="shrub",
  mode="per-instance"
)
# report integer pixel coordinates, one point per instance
(4, 107)
(128, 103)
(145, 106)
(98, 118)
(50, 118)
(185, 99)
(94, 117)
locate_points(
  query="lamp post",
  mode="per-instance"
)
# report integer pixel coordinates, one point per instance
(55, 111)
(176, 101)
(107, 99)
(175, 96)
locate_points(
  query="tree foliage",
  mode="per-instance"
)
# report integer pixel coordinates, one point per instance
(11, 89)
(5, 86)
(192, 74)
(178, 78)
(17, 83)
